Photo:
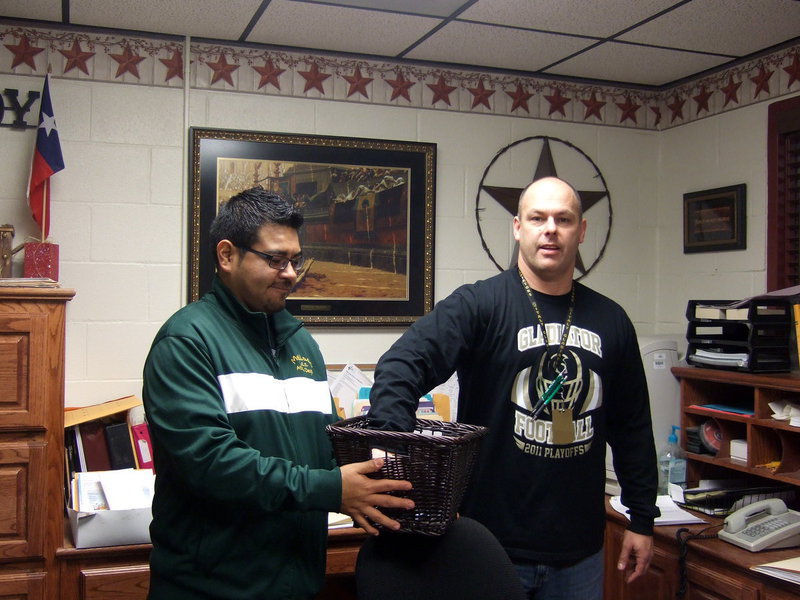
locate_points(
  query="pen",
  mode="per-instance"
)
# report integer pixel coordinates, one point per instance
(549, 393)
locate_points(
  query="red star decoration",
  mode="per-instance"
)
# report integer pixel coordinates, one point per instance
(628, 108)
(400, 86)
(222, 70)
(128, 62)
(520, 98)
(174, 65)
(481, 95)
(76, 57)
(677, 108)
(593, 106)
(702, 99)
(762, 81)
(731, 91)
(24, 53)
(269, 74)
(358, 83)
(441, 91)
(657, 112)
(793, 70)
(314, 78)
(557, 102)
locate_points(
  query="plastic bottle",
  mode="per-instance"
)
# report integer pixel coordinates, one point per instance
(671, 463)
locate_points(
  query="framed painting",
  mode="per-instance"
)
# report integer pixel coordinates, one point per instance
(369, 218)
(715, 220)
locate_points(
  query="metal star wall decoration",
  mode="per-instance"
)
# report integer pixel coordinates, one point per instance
(594, 195)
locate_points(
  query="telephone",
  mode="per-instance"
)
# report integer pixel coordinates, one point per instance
(764, 525)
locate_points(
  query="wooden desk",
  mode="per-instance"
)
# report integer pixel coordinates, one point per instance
(715, 570)
(122, 572)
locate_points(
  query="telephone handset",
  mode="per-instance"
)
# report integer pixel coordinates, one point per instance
(764, 525)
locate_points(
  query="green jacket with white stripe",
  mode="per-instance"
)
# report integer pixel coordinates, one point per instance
(237, 403)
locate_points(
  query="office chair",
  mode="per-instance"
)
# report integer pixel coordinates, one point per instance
(464, 563)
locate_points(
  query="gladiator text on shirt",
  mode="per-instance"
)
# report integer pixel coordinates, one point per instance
(531, 337)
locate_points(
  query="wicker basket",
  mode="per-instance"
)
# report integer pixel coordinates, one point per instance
(437, 458)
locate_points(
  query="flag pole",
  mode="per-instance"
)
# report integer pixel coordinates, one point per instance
(45, 193)
(46, 198)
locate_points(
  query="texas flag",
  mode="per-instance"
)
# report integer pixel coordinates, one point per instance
(47, 160)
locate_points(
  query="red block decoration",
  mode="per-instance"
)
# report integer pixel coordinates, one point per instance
(41, 260)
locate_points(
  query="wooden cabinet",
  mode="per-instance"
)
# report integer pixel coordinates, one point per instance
(122, 572)
(768, 440)
(114, 573)
(660, 580)
(32, 323)
(714, 570)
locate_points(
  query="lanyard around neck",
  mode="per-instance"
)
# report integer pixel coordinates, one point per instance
(567, 323)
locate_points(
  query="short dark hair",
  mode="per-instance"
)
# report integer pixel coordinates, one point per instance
(239, 219)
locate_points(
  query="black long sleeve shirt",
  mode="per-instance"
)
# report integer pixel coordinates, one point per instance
(539, 483)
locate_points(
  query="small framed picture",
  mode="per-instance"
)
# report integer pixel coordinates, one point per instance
(715, 220)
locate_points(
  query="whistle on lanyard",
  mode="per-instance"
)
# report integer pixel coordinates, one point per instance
(550, 392)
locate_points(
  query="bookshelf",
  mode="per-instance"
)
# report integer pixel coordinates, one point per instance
(121, 443)
(768, 440)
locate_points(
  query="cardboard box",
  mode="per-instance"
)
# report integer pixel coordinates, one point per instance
(110, 527)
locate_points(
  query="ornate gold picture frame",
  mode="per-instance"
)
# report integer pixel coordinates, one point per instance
(369, 208)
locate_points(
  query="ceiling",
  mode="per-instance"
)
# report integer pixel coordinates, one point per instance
(654, 43)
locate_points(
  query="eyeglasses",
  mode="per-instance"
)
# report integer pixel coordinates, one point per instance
(278, 263)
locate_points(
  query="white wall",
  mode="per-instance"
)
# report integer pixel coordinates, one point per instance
(727, 149)
(119, 210)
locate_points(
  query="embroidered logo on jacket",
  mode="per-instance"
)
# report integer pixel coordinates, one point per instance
(302, 364)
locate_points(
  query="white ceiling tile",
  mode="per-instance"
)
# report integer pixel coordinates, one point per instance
(471, 44)
(198, 18)
(437, 8)
(47, 10)
(523, 35)
(735, 28)
(335, 28)
(584, 17)
(623, 62)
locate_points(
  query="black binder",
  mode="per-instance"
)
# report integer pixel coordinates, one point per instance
(120, 447)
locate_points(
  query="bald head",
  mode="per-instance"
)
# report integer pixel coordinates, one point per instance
(550, 186)
(549, 228)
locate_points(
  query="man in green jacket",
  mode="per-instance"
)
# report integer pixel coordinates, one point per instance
(236, 395)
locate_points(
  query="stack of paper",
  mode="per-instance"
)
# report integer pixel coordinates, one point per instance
(120, 489)
(350, 389)
(784, 410)
(339, 520)
(345, 388)
(722, 359)
(671, 513)
(788, 570)
(39, 282)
